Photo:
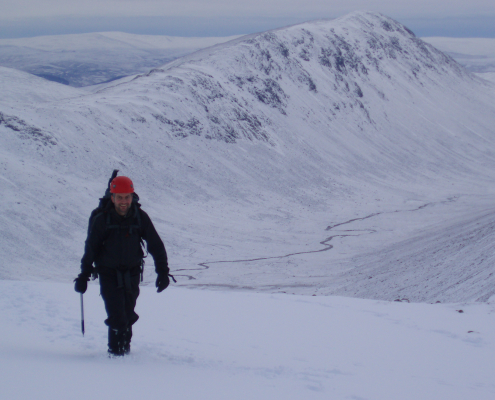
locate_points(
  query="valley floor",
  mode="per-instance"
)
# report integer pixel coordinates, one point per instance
(422, 251)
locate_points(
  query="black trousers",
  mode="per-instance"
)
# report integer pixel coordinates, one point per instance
(120, 294)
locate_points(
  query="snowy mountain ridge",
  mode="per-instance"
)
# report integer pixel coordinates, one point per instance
(244, 153)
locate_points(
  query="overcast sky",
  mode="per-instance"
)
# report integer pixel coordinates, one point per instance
(23, 18)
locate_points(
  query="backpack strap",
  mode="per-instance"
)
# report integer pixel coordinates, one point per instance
(93, 217)
(143, 244)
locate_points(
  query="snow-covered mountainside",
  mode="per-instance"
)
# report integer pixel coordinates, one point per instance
(280, 161)
(92, 58)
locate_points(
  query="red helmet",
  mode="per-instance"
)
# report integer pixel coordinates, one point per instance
(121, 184)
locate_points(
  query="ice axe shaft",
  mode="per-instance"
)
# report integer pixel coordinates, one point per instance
(82, 314)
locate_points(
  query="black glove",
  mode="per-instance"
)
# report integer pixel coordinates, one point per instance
(81, 283)
(162, 281)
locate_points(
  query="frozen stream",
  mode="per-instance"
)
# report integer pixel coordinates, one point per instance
(405, 254)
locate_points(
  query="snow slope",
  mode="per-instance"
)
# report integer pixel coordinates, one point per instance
(298, 160)
(226, 345)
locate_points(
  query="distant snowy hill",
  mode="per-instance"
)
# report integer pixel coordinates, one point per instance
(275, 162)
(476, 54)
(92, 58)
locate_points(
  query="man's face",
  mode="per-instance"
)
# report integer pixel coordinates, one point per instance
(122, 202)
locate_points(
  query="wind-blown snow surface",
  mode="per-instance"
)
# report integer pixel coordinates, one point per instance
(327, 157)
(224, 345)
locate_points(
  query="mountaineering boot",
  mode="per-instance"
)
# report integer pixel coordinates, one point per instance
(127, 339)
(115, 342)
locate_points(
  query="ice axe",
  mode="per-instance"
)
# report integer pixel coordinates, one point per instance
(82, 314)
